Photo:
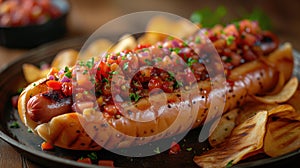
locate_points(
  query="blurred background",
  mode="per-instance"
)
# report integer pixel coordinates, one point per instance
(86, 16)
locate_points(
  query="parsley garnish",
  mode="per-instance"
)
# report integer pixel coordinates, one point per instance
(230, 40)
(93, 156)
(105, 80)
(229, 164)
(14, 124)
(189, 149)
(228, 59)
(134, 96)
(125, 66)
(90, 63)
(68, 73)
(191, 61)
(148, 62)
(156, 150)
(176, 50)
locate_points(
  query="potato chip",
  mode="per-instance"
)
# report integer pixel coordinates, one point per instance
(250, 109)
(245, 139)
(284, 111)
(284, 95)
(160, 27)
(282, 137)
(96, 49)
(294, 101)
(31, 73)
(223, 129)
(65, 58)
(127, 42)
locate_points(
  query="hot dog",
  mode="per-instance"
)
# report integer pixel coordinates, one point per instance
(252, 65)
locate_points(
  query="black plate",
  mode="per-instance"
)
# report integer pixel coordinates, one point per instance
(29, 144)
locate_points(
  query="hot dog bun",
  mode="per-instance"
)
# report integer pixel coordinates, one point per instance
(67, 130)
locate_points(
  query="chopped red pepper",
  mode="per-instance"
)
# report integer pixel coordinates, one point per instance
(175, 148)
(108, 163)
(47, 146)
(85, 160)
(55, 85)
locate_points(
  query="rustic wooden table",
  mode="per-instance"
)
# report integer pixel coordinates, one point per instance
(86, 16)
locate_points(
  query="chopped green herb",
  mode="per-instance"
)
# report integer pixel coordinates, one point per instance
(68, 73)
(93, 156)
(85, 72)
(20, 90)
(160, 46)
(105, 80)
(156, 150)
(90, 63)
(185, 44)
(189, 149)
(230, 40)
(228, 59)
(176, 50)
(14, 124)
(158, 59)
(134, 96)
(29, 130)
(191, 61)
(170, 38)
(229, 164)
(125, 66)
(34, 84)
(148, 62)
(178, 84)
(198, 40)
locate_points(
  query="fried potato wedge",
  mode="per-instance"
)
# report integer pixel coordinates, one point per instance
(284, 95)
(224, 128)
(246, 138)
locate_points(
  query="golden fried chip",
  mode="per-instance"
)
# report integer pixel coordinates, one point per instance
(160, 27)
(294, 101)
(282, 137)
(284, 95)
(250, 109)
(96, 49)
(246, 138)
(31, 73)
(223, 129)
(127, 42)
(284, 111)
(65, 58)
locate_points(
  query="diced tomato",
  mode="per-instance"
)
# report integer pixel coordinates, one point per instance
(155, 83)
(175, 148)
(47, 146)
(108, 163)
(141, 46)
(85, 160)
(55, 85)
(67, 88)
